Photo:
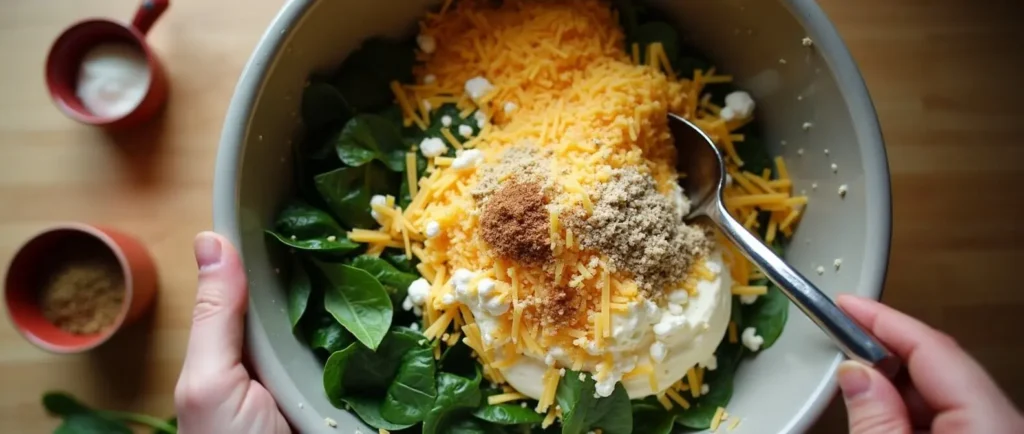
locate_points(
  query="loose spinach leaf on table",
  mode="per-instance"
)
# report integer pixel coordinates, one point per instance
(455, 396)
(323, 105)
(347, 192)
(312, 229)
(582, 412)
(367, 137)
(651, 419)
(365, 76)
(91, 423)
(80, 419)
(62, 404)
(299, 288)
(365, 379)
(357, 301)
(508, 414)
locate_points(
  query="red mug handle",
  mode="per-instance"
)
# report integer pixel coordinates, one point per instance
(148, 13)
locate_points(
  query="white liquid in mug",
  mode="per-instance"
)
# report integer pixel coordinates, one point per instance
(112, 79)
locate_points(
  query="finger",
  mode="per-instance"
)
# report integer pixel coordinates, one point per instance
(215, 343)
(872, 402)
(921, 414)
(945, 375)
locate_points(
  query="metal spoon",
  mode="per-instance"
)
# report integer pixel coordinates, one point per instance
(700, 160)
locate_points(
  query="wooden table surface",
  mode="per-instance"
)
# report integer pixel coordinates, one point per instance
(944, 75)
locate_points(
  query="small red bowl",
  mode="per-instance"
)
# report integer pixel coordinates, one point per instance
(21, 292)
(67, 52)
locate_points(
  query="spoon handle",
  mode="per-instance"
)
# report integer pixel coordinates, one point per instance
(856, 343)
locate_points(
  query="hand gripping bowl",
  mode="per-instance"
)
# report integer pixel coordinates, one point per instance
(759, 42)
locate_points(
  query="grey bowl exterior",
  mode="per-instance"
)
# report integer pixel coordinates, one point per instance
(782, 390)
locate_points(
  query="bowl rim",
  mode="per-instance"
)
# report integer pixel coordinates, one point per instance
(833, 50)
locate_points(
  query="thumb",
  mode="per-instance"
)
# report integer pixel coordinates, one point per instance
(872, 402)
(215, 343)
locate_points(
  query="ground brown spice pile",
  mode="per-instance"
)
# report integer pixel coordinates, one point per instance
(515, 223)
(640, 231)
(83, 291)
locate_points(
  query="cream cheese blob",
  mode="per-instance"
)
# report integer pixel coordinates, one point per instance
(681, 335)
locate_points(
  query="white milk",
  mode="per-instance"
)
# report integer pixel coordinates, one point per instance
(113, 79)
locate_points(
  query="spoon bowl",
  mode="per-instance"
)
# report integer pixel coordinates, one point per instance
(703, 184)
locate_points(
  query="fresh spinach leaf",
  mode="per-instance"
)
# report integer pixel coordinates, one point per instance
(651, 419)
(347, 192)
(768, 314)
(367, 137)
(313, 229)
(330, 336)
(508, 414)
(357, 301)
(412, 393)
(700, 413)
(656, 31)
(401, 262)
(458, 359)
(359, 377)
(720, 383)
(91, 423)
(384, 272)
(80, 419)
(581, 411)
(468, 425)
(454, 394)
(299, 288)
(754, 155)
(172, 422)
(396, 283)
(322, 105)
(369, 410)
(62, 404)
(365, 76)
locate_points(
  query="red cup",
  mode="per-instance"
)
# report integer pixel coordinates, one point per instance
(21, 287)
(67, 52)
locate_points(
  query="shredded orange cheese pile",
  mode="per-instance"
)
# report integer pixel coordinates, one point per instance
(578, 93)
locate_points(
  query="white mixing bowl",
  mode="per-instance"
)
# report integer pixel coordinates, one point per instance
(758, 41)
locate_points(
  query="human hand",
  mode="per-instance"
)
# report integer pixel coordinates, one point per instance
(215, 394)
(948, 392)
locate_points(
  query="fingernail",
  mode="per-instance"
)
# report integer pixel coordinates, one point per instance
(208, 251)
(854, 379)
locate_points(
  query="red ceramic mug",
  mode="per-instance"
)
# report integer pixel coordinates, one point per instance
(68, 51)
(22, 285)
